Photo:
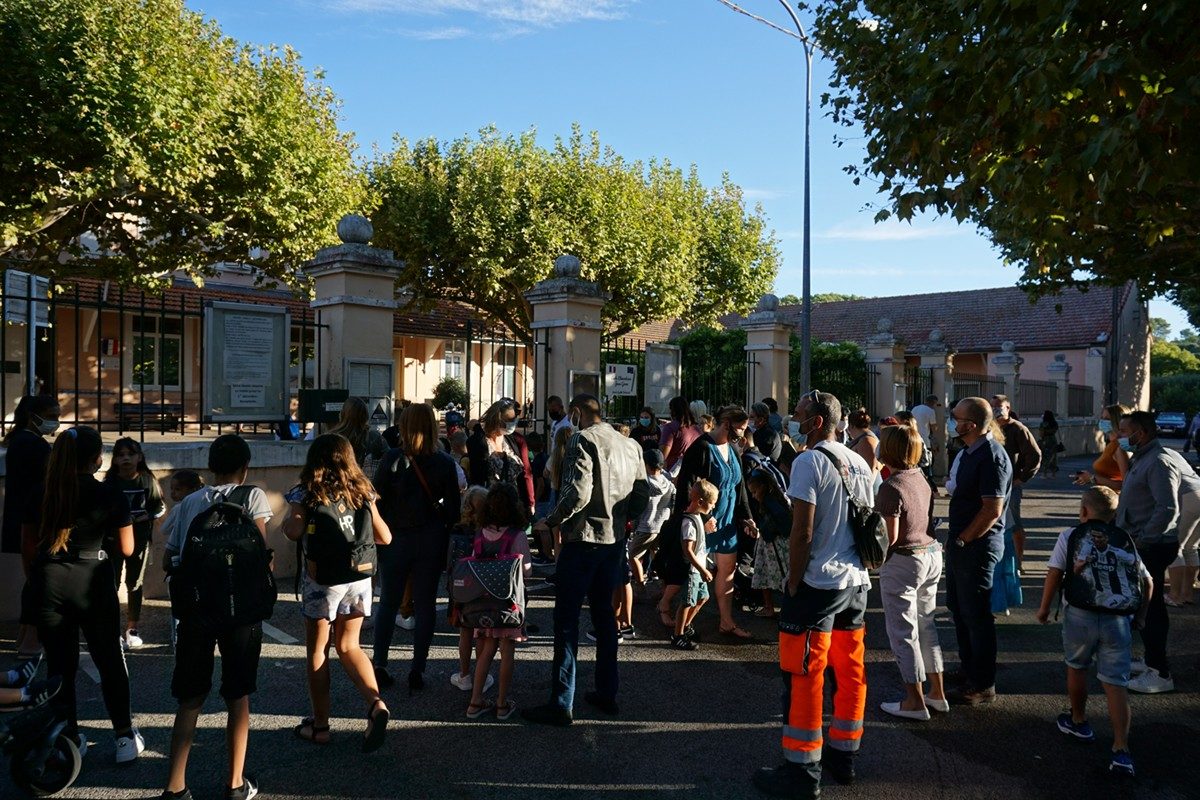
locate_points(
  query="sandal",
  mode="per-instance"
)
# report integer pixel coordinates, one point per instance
(309, 731)
(505, 711)
(735, 631)
(377, 720)
(477, 710)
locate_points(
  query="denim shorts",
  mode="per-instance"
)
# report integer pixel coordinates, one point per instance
(697, 590)
(1105, 639)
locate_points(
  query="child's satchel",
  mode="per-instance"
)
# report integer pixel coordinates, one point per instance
(1103, 573)
(490, 585)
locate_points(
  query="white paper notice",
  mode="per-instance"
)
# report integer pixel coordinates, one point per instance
(247, 396)
(249, 355)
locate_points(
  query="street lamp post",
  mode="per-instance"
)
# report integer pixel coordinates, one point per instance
(806, 246)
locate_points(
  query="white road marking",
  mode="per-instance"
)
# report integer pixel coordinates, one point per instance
(278, 635)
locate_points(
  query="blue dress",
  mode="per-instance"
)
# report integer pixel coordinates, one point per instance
(726, 475)
(1006, 583)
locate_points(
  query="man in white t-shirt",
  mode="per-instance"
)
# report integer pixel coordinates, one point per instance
(925, 415)
(822, 616)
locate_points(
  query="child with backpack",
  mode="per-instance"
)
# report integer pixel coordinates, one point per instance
(225, 519)
(1105, 592)
(336, 525)
(183, 483)
(462, 544)
(650, 523)
(502, 534)
(129, 473)
(702, 499)
(773, 513)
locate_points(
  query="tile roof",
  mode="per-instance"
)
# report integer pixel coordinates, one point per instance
(971, 321)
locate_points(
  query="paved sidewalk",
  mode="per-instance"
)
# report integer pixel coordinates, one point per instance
(691, 726)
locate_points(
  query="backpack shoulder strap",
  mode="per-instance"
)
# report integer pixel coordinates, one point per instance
(837, 466)
(240, 495)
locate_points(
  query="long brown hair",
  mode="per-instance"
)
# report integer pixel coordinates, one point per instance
(331, 473)
(130, 444)
(352, 423)
(418, 430)
(561, 439)
(74, 451)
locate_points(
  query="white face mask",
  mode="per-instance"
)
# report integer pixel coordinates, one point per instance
(843, 425)
(45, 426)
(793, 429)
(510, 427)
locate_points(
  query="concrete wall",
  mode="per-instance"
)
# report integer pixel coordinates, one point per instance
(274, 467)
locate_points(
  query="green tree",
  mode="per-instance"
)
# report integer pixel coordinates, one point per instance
(1168, 358)
(449, 390)
(1160, 328)
(1189, 340)
(137, 139)
(1060, 128)
(480, 220)
(820, 297)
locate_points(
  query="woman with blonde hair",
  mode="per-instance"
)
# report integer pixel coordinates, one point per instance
(420, 500)
(334, 518)
(354, 425)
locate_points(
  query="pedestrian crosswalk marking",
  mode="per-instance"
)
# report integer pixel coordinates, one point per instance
(278, 635)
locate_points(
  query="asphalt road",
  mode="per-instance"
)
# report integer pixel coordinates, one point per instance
(691, 726)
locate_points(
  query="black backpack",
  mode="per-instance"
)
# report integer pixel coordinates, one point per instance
(224, 576)
(870, 532)
(339, 543)
(1102, 571)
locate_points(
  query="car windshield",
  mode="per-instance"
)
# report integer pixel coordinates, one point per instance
(1169, 416)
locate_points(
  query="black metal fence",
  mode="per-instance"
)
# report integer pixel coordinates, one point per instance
(623, 397)
(1080, 401)
(494, 364)
(1036, 397)
(718, 381)
(968, 385)
(125, 360)
(918, 383)
(853, 384)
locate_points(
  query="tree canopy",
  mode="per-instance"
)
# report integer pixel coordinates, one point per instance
(820, 297)
(1061, 128)
(1168, 358)
(136, 139)
(481, 219)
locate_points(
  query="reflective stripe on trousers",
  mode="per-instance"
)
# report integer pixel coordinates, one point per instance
(803, 659)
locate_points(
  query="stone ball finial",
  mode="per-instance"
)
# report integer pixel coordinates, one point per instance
(885, 325)
(1008, 347)
(936, 335)
(1060, 357)
(566, 266)
(768, 303)
(355, 229)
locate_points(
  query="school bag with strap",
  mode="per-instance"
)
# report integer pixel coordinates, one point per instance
(870, 533)
(489, 585)
(1102, 571)
(339, 543)
(224, 576)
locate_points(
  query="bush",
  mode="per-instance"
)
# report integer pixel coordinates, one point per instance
(1176, 393)
(449, 390)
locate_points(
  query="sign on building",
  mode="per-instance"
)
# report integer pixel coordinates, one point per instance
(620, 380)
(371, 379)
(663, 377)
(245, 362)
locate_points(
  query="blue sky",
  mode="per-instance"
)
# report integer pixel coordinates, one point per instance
(687, 80)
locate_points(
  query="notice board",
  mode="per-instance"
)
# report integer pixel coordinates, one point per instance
(246, 352)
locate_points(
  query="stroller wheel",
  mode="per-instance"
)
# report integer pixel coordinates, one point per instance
(47, 779)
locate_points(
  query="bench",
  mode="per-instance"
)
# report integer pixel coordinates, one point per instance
(131, 414)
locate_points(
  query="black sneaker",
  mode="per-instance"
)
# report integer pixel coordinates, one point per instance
(683, 643)
(548, 714)
(184, 794)
(787, 780)
(247, 791)
(603, 704)
(840, 765)
(26, 670)
(690, 633)
(628, 632)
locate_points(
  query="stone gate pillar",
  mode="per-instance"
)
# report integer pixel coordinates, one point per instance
(768, 353)
(356, 296)
(1008, 368)
(885, 354)
(566, 317)
(937, 358)
(1060, 373)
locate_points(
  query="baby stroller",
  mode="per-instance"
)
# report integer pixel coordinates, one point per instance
(42, 759)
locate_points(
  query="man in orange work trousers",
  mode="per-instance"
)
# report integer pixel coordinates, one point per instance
(821, 618)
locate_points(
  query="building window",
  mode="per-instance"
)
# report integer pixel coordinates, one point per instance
(456, 357)
(504, 365)
(156, 353)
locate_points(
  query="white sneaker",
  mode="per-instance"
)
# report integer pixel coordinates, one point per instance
(941, 706)
(132, 640)
(1137, 666)
(130, 747)
(896, 711)
(1150, 682)
(406, 623)
(467, 682)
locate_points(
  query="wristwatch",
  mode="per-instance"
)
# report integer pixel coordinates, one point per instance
(959, 542)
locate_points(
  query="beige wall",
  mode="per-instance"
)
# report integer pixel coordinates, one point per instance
(274, 467)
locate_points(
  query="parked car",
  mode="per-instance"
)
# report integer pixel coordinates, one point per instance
(1172, 423)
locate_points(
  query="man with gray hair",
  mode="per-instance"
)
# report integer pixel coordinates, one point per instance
(603, 487)
(982, 483)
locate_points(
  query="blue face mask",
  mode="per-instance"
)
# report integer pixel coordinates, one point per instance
(793, 429)
(1106, 426)
(645, 423)
(1123, 443)
(951, 428)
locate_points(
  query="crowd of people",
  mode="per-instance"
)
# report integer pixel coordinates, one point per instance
(741, 506)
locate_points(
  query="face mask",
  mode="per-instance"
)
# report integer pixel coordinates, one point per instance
(951, 427)
(1106, 426)
(1123, 443)
(645, 423)
(45, 426)
(752, 427)
(510, 427)
(793, 429)
(1000, 413)
(843, 425)
(574, 421)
